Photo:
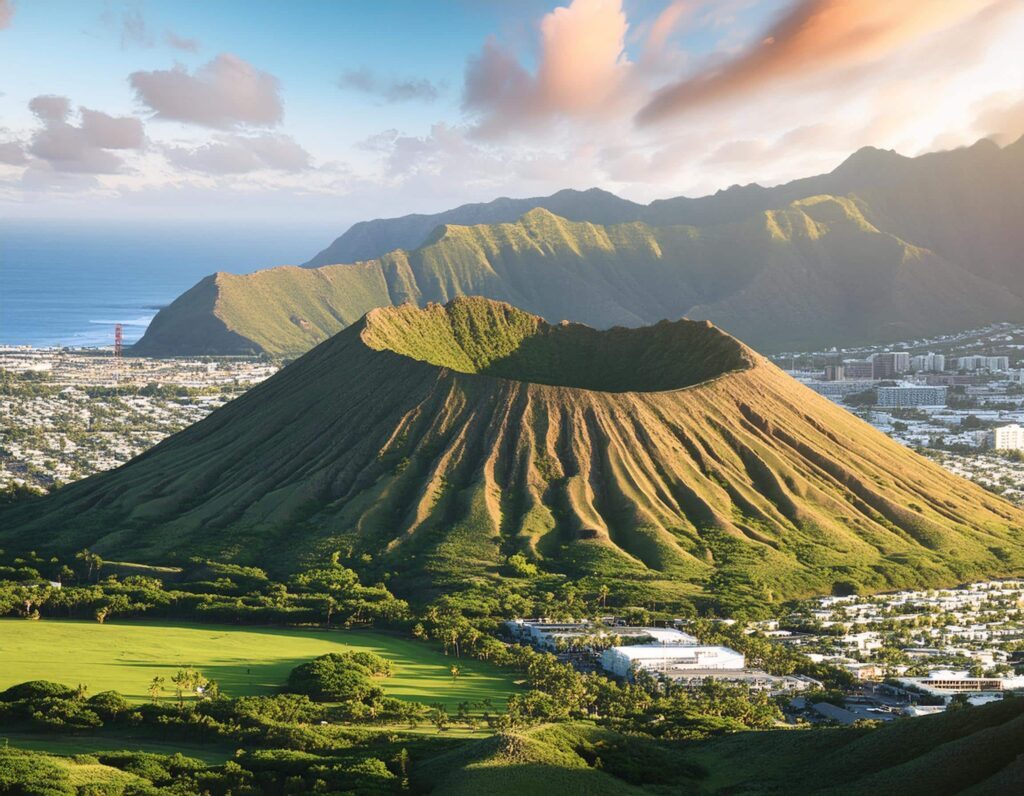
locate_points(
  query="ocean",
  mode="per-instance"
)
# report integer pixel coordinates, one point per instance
(68, 283)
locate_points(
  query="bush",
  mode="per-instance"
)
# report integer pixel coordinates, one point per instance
(36, 689)
(341, 677)
(109, 705)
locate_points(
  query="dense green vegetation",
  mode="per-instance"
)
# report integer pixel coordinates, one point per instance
(283, 746)
(330, 721)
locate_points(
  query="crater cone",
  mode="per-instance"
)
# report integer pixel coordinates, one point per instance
(491, 338)
(428, 445)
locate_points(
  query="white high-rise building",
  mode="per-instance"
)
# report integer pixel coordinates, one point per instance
(928, 363)
(979, 362)
(1006, 438)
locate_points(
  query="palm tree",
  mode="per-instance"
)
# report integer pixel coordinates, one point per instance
(156, 685)
(602, 593)
(456, 671)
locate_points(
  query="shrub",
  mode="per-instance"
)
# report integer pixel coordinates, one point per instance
(341, 677)
(36, 689)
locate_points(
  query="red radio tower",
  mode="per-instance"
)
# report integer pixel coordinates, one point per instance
(118, 340)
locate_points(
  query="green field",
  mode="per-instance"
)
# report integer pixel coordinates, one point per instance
(126, 656)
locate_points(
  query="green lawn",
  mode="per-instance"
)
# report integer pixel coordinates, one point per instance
(126, 656)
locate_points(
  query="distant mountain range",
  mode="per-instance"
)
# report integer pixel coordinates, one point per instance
(428, 445)
(883, 248)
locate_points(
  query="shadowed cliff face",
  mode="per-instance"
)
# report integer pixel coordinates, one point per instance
(435, 442)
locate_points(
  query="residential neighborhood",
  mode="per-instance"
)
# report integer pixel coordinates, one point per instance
(958, 399)
(71, 413)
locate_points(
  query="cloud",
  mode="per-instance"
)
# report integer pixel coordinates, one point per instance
(6, 13)
(581, 69)
(1001, 117)
(390, 90)
(226, 93)
(816, 35)
(89, 148)
(237, 154)
(666, 22)
(172, 39)
(12, 153)
(134, 30)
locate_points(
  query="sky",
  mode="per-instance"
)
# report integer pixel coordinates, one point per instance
(315, 111)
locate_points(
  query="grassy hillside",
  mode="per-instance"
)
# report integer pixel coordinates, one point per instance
(814, 272)
(963, 204)
(977, 751)
(429, 445)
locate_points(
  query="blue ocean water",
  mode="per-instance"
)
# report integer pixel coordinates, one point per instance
(68, 283)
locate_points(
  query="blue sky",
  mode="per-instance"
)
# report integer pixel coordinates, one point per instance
(342, 110)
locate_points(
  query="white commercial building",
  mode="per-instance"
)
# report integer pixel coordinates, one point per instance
(839, 389)
(928, 363)
(911, 395)
(545, 635)
(978, 362)
(1006, 438)
(623, 661)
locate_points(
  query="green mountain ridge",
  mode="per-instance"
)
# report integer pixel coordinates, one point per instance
(932, 199)
(430, 444)
(818, 271)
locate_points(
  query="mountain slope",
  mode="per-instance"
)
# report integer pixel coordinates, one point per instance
(368, 239)
(976, 751)
(435, 442)
(816, 272)
(964, 204)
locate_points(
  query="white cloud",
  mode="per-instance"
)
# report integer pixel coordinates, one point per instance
(237, 154)
(227, 92)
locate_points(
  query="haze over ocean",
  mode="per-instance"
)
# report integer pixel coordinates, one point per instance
(68, 283)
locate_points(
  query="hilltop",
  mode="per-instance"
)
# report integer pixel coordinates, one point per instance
(428, 445)
(818, 271)
(974, 751)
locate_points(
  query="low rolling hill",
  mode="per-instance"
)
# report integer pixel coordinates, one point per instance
(427, 445)
(974, 751)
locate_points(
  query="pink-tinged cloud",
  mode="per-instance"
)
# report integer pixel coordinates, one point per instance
(582, 66)
(666, 22)
(6, 13)
(815, 36)
(89, 148)
(227, 92)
